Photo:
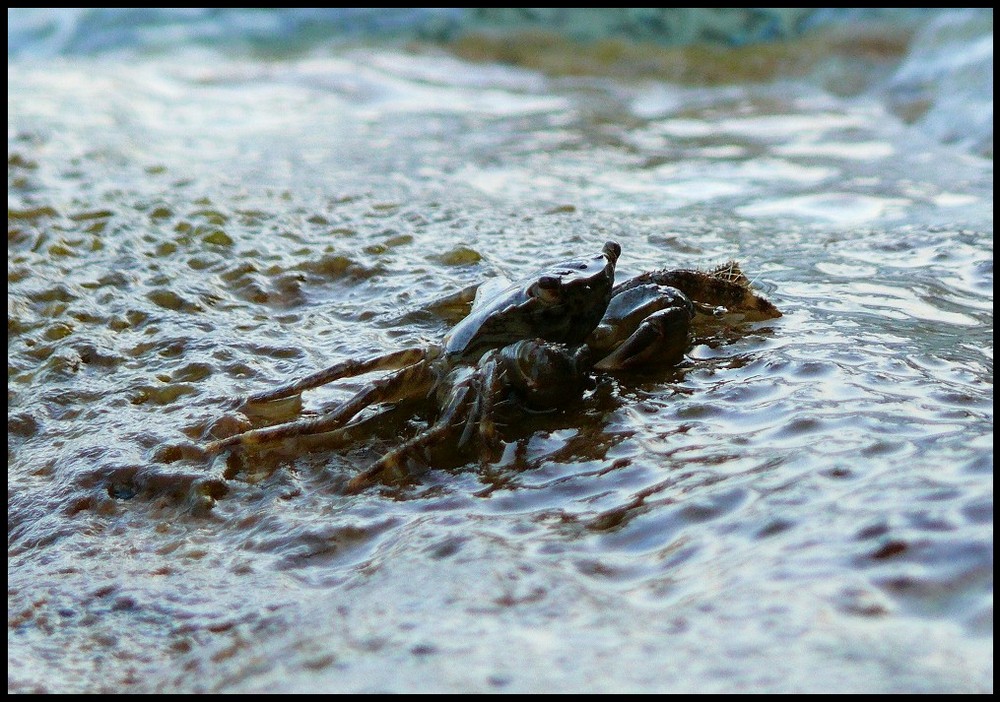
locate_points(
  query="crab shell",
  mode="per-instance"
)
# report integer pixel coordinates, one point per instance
(562, 303)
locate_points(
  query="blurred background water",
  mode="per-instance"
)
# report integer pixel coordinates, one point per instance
(204, 203)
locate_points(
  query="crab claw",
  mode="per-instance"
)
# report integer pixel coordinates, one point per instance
(660, 340)
(545, 375)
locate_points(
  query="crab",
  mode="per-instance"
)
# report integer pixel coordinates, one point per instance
(562, 303)
(529, 347)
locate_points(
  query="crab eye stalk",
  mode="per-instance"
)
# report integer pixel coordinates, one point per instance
(612, 250)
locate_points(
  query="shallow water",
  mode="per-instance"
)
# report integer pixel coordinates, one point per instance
(805, 504)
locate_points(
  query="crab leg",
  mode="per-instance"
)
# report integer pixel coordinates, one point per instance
(725, 286)
(491, 396)
(344, 369)
(412, 381)
(357, 431)
(394, 466)
(470, 409)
